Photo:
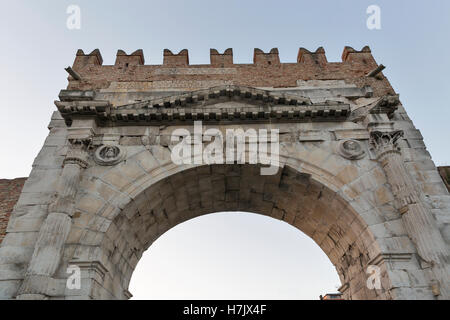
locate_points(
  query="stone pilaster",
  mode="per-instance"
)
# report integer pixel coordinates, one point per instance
(418, 220)
(38, 282)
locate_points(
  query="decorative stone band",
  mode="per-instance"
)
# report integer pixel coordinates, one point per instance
(92, 268)
(77, 153)
(406, 195)
(261, 105)
(390, 257)
(98, 109)
(237, 114)
(74, 160)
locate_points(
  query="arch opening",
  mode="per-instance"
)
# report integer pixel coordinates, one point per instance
(291, 196)
(233, 255)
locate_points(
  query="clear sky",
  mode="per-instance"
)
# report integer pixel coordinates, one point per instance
(36, 45)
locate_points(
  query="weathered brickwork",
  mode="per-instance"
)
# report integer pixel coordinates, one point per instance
(353, 172)
(9, 194)
(266, 71)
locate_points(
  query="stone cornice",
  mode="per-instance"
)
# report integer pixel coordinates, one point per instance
(255, 105)
(384, 105)
(390, 257)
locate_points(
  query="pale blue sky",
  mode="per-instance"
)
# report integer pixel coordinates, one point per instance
(36, 46)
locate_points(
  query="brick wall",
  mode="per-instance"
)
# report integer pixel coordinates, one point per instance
(9, 194)
(265, 71)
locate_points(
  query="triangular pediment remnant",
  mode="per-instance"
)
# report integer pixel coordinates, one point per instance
(245, 104)
(217, 94)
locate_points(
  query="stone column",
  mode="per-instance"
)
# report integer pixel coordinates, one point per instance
(418, 220)
(38, 282)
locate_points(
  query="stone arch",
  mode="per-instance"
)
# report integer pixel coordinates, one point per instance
(348, 139)
(308, 201)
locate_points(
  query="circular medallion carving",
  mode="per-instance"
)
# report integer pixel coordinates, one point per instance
(351, 149)
(108, 155)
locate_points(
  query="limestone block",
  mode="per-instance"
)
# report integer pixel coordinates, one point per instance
(34, 211)
(445, 231)
(34, 198)
(314, 135)
(357, 134)
(400, 244)
(433, 188)
(12, 271)
(42, 181)
(114, 180)
(75, 235)
(20, 239)
(57, 137)
(416, 144)
(99, 224)
(130, 169)
(372, 217)
(25, 224)
(399, 278)
(56, 121)
(417, 278)
(89, 203)
(382, 196)
(15, 254)
(404, 293)
(347, 174)
(8, 288)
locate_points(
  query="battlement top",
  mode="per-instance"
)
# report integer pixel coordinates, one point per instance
(267, 71)
(221, 59)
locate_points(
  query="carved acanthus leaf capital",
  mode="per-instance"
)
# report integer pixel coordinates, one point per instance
(78, 151)
(385, 142)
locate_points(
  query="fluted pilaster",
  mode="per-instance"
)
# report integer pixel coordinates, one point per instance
(56, 227)
(418, 221)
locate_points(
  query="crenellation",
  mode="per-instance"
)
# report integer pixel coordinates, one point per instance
(363, 57)
(82, 59)
(265, 71)
(261, 58)
(176, 60)
(125, 60)
(318, 57)
(221, 60)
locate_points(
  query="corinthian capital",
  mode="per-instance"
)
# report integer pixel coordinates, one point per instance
(385, 142)
(78, 152)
